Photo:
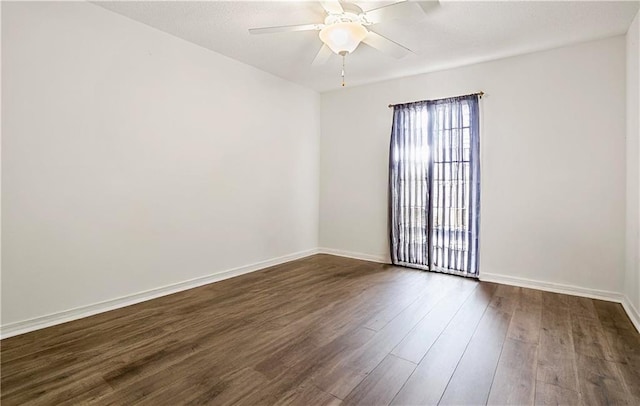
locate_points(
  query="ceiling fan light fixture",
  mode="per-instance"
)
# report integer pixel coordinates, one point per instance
(343, 37)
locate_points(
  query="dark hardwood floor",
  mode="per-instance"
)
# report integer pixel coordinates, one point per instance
(328, 330)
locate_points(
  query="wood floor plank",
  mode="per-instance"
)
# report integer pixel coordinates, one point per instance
(581, 307)
(600, 382)
(515, 377)
(555, 311)
(552, 395)
(322, 329)
(418, 341)
(396, 301)
(625, 344)
(526, 320)
(530, 298)
(201, 388)
(630, 372)
(429, 381)
(341, 380)
(556, 355)
(297, 380)
(551, 300)
(506, 298)
(556, 359)
(612, 315)
(382, 385)
(281, 360)
(472, 379)
(308, 395)
(204, 385)
(525, 325)
(62, 392)
(589, 338)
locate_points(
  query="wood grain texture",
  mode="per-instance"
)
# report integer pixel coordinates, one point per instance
(525, 325)
(581, 306)
(601, 383)
(327, 330)
(515, 378)
(552, 395)
(556, 356)
(418, 341)
(382, 385)
(429, 381)
(612, 315)
(556, 360)
(589, 338)
(341, 380)
(624, 343)
(472, 379)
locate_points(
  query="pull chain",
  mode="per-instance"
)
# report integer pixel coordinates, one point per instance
(343, 69)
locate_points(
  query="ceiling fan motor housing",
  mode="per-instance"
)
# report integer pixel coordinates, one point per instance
(343, 32)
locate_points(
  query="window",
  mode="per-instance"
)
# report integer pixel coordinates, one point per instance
(434, 184)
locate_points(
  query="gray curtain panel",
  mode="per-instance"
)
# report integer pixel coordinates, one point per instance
(434, 179)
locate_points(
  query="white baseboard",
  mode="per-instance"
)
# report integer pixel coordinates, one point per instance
(37, 323)
(552, 287)
(21, 327)
(355, 255)
(632, 312)
(609, 296)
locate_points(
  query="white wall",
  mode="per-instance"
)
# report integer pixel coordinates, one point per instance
(552, 156)
(132, 159)
(632, 279)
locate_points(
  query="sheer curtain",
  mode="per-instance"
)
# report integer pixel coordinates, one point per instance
(409, 173)
(434, 179)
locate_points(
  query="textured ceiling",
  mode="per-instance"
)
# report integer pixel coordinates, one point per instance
(453, 34)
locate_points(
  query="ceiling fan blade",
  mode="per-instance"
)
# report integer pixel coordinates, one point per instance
(428, 6)
(286, 28)
(399, 10)
(332, 6)
(384, 44)
(322, 56)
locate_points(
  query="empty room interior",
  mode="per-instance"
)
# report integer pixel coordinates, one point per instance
(320, 203)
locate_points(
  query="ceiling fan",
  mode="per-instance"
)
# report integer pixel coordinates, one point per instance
(347, 25)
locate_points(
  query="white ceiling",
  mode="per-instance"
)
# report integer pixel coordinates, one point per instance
(454, 34)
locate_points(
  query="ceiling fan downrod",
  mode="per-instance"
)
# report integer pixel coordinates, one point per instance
(343, 54)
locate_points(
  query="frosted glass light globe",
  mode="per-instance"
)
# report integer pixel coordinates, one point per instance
(343, 37)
